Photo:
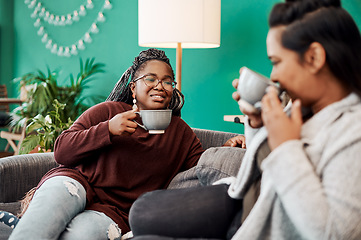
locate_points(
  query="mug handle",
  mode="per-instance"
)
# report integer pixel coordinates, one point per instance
(140, 125)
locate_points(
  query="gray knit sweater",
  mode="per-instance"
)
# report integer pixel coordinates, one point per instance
(311, 188)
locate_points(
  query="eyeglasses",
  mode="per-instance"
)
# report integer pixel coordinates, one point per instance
(152, 81)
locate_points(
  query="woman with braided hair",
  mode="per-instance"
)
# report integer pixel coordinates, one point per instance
(107, 161)
(123, 93)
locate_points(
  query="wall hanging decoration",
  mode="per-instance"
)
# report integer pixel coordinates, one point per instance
(42, 15)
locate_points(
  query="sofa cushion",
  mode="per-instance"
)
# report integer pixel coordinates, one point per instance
(5, 231)
(215, 163)
(219, 162)
(185, 179)
(12, 207)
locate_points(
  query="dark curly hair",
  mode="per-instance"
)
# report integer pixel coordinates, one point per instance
(122, 92)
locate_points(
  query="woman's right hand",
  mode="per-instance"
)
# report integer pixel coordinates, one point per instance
(255, 120)
(122, 124)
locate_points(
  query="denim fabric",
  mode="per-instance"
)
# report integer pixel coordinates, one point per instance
(91, 225)
(57, 212)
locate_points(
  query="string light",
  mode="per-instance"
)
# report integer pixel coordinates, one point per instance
(37, 23)
(107, 5)
(44, 39)
(49, 44)
(101, 17)
(66, 52)
(73, 50)
(89, 4)
(41, 31)
(87, 38)
(61, 51)
(41, 15)
(54, 48)
(68, 20)
(82, 11)
(94, 28)
(81, 45)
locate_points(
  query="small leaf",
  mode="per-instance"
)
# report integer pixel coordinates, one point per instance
(29, 143)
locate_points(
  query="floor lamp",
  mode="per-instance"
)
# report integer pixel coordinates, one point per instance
(179, 24)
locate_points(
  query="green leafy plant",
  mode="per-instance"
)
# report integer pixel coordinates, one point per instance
(43, 131)
(62, 104)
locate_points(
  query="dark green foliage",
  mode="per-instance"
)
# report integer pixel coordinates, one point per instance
(61, 104)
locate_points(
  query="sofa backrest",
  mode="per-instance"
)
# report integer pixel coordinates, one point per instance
(20, 173)
(210, 138)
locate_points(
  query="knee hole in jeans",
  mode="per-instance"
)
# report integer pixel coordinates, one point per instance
(114, 232)
(72, 188)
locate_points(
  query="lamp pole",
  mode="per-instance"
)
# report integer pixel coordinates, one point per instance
(179, 66)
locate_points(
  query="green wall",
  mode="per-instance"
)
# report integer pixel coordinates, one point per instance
(206, 75)
(6, 42)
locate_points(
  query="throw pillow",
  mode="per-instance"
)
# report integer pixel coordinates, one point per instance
(185, 179)
(8, 219)
(219, 162)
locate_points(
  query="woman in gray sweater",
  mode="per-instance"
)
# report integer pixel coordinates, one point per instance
(305, 167)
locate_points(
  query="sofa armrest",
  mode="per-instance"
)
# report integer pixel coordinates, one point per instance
(210, 138)
(20, 173)
(214, 163)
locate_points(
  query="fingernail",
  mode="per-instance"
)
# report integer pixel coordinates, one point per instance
(268, 89)
(298, 102)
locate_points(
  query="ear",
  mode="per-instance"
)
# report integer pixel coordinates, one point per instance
(132, 88)
(315, 57)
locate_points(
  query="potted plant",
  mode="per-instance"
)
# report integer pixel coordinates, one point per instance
(43, 131)
(49, 108)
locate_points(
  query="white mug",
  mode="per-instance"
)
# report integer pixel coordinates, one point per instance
(155, 121)
(252, 87)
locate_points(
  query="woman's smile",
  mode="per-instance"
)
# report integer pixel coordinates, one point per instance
(157, 97)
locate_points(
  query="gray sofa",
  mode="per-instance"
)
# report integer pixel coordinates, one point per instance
(18, 174)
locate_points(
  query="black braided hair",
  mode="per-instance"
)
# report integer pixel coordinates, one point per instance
(122, 92)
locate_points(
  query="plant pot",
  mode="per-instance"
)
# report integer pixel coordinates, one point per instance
(38, 149)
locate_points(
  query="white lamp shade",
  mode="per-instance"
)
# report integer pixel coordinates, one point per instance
(193, 23)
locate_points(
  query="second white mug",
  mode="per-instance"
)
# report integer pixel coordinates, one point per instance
(252, 87)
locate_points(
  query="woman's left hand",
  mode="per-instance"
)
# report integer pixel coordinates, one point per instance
(280, 127)
(237, 141)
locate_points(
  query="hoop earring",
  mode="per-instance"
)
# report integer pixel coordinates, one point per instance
(135, 103)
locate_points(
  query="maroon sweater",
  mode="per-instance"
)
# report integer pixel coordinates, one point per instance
(115, 170)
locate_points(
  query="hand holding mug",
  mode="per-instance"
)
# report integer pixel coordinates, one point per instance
(122, 124)
(254, 117)
(280, 127)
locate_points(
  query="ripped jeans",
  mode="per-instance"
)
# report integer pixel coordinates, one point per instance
(57, 212)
